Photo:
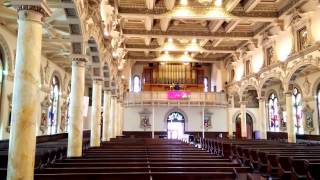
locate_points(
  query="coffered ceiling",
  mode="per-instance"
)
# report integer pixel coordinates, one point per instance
(197, 28)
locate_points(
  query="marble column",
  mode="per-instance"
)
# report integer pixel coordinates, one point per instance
(290, 123)
(230, 125)
(229, 117)
(106, 135)
(112, 117)
(116, 119)
(76, 106)
(96, 113)
(263, 116)
(153, 122)
(25, 103)
(120, 119)
(243, 112)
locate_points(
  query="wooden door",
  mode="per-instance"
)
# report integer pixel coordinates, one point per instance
(249, 126)
(238, 127)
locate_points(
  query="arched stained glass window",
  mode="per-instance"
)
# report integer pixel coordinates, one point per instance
(205, 84)
(54, 106)
(297, 110)
(175, 116)
(136, 84)
(273, 112)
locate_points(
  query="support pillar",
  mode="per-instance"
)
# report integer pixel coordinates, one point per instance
(112, 117)
(243, 111)
(229, 118)
(202, 114)
(76, 106)
(121, 119)
(290, 123)
(96, 113)
(115, 119)
(106, 135)
(263, 116)
(25, 103)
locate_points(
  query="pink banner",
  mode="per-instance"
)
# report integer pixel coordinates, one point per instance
(178, 95)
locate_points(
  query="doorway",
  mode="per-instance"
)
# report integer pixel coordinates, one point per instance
(249, 126)
(175, 124)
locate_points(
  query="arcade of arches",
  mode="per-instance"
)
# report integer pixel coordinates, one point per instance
(119, 69)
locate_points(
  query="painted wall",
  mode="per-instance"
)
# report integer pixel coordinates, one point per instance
(193, 118)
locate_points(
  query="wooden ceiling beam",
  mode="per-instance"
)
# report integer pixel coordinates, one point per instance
(187, 34)
(215, 25)
(250, 5)
(231, 4)
(214, 50)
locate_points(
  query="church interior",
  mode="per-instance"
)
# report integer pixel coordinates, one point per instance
(159, 89)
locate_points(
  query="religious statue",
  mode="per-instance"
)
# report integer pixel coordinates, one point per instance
(308, 115)
(63, 117)
(283, 124)
(44, 118)
(145, 119)
(306, 86)
(207, 120)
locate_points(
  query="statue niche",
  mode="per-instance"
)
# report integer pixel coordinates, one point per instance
(308, 116)
(44, 110)
(145, 119)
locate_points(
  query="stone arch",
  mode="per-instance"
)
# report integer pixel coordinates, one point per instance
(252, 83)
(271, 78)
(235, 114)
(315, 87)
(176, 109)
(58, 75)
(5, 50)
(299, 67)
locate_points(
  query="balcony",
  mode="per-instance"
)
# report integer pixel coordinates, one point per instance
(161, 99)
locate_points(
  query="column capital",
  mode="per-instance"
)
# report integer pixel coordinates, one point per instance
(97, 80)
(261, 98)
(243, 102)
(39, 6)
(79, 59)
(288, 93)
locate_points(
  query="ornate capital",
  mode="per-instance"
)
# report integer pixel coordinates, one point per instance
(39, 6)
(79, 60)
(97, 80)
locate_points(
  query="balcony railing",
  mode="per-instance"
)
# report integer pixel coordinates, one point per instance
(161, 98)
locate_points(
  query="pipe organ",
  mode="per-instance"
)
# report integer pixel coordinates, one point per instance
(164, 75)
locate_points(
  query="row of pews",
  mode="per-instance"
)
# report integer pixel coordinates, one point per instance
(276, 160)
(48, 151)
(144, 159)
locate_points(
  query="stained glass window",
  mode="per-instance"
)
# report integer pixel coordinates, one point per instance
(54, 106)
(297, 110)
(136, 84)
(175, 116)
(273, 112)
(205, 83)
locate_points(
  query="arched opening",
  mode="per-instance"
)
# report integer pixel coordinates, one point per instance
(54, 105)
(175, 124)
(297, 110)
(249, 122)
(136, 84)
(318, 103)
(205, 84)
(273, 113)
